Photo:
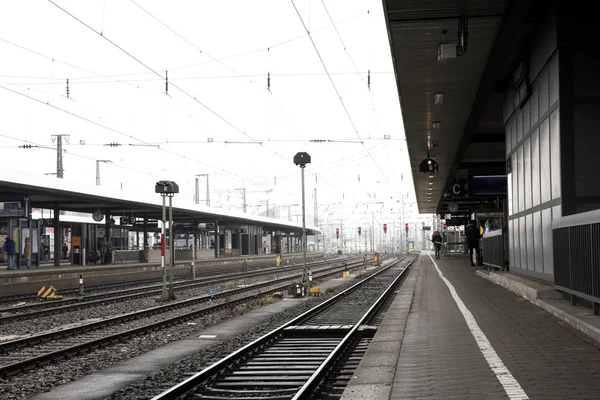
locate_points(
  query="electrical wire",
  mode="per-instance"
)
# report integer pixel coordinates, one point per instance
(173, 85)
(89, 80)
(353, 63)
(114, 130)
(337, 91)
(45, 147)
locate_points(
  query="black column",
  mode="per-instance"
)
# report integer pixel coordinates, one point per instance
(57, 244)
(107, 234)
(145, 232)
(217, 237)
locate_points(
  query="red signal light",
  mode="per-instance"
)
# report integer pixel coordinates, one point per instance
(337, 233)
(406, 226)
(359, 231)
(384, 228)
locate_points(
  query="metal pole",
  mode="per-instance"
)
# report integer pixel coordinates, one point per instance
(97, 172)
(305, 280)
(194, 256)
(165, 295)
(171, 249)
(197, 192)
(207, 192)
(59, 163)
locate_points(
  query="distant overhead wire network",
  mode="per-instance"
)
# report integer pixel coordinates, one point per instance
(154, 72)
(97, 123)
(31, 144)
(223, 119)
(238, 73)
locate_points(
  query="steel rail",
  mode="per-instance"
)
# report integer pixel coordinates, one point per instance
(66, 305)
(195, 380)
(14, 368)
(103, 288)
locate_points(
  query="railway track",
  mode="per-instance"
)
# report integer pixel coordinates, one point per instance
(143, 284)
(27, 353)
(40, 309)
(310, 357)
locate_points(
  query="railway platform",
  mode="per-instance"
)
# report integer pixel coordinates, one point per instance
(464, 333)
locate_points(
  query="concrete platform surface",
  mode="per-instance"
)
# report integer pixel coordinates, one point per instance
(466, 337)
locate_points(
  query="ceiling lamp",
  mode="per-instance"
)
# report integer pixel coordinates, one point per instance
(428, 165)
(438, 98)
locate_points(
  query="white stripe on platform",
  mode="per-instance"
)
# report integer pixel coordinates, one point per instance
(510, 384)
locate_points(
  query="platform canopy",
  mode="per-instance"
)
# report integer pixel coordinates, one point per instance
(45, 192)
(451, 92)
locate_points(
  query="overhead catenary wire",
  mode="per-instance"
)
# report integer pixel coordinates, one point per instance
(174, 78)
(223, 119)
(337, 91)
(115, 130)
(45, 147)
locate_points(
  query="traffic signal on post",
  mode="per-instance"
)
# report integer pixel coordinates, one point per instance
(406, 227)
(359, 231)
(337, 233)
(384, 228)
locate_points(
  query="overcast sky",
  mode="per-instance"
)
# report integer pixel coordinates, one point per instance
(218, 55)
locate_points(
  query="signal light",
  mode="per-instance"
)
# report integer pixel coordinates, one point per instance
(337, 233)
(406, 227)
(359, 231)
(384, 228)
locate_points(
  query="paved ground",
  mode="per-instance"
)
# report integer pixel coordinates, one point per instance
(440, 358)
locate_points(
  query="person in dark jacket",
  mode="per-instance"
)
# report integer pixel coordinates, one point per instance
(436, 238)
(11, 252)
(473, 236)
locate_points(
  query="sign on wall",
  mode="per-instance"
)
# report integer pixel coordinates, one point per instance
(12, 209)
(228, 241)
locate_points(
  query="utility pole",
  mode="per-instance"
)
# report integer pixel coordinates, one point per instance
(343, 244)
(98, 170)
(372, 231)
(316, 219)
(316, 208)
(243, 190)
(59, 152)
(197, 194)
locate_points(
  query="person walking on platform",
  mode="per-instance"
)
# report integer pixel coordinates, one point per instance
(27, 253)
(11, 252)
(473, 236)
(436, 238)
